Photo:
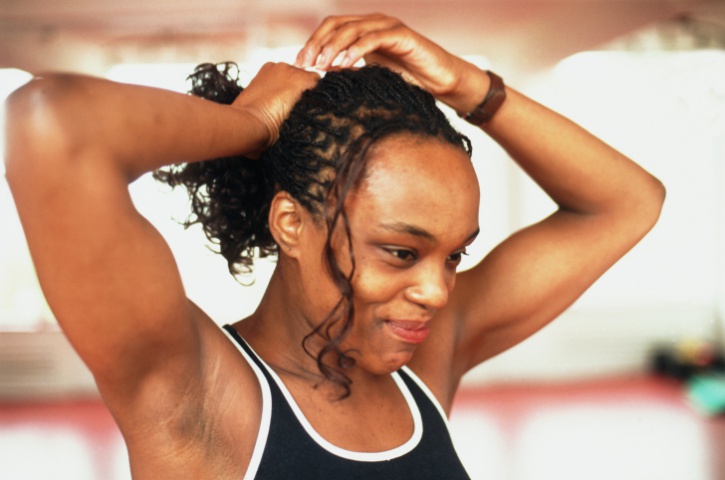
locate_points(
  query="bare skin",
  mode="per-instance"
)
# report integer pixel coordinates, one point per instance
(186, 402)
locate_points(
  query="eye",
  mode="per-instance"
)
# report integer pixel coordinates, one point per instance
(455, 258)
(404, 255)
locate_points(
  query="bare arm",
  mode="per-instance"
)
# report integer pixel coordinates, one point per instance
(73, 145)
(606, 202)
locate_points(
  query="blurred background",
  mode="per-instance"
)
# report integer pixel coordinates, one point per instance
(626, 384)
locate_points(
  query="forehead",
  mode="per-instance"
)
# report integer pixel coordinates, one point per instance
(420, 182)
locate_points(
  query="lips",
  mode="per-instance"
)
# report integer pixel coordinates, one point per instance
(409, 331)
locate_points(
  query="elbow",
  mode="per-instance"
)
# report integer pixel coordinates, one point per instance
(657, 196)
(649, 204)
(37, 129)
(35, 105)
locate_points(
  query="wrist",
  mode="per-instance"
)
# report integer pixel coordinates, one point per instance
(492, 101)
(470, 90)
(257, 136)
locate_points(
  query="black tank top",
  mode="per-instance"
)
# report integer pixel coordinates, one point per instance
(287, 446)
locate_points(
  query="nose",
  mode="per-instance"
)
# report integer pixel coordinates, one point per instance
(432, 287)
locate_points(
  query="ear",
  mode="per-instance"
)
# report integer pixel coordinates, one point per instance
(286, 221)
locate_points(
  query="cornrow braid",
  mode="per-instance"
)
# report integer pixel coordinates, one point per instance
(319, 158)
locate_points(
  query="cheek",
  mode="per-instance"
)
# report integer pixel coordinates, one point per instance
(373, 284)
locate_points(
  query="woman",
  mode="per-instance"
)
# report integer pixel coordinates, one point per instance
(368, 227)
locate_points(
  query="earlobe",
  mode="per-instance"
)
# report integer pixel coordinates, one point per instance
(285, 222)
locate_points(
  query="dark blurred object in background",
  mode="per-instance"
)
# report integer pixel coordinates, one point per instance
(685, 359)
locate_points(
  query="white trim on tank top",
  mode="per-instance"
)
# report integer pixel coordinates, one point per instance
(261, 441)
(428, 394)
(396, 452)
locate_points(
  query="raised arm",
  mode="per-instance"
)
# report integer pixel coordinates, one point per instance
(73, 145)
(606, 202)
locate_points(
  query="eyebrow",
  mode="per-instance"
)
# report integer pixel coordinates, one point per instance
(400, 227)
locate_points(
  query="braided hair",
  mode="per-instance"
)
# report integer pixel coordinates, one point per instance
(319, 157)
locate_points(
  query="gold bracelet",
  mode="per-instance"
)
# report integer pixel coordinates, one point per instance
(491, 103)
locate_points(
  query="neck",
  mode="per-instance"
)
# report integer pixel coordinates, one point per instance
(278, 327)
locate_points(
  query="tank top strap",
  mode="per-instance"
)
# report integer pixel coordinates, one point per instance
(415, 383)
(266, 384)
(238, 340)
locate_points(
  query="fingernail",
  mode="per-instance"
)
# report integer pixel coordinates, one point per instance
(346, 61)
(323, 58)
(300, 59)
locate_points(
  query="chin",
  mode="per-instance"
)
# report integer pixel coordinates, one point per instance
(383, 365)
(394, 362)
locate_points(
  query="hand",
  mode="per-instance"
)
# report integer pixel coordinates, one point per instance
(388, 42)
(272, 93)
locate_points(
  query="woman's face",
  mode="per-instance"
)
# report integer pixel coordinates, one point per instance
(411, 219)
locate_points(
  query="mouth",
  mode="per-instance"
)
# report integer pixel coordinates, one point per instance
(413, 332)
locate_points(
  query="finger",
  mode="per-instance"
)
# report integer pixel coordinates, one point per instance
(335, 35)
(394, 40)
(350, 34)
(311, 50)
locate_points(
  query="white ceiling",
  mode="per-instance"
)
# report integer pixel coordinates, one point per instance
(523, 35)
